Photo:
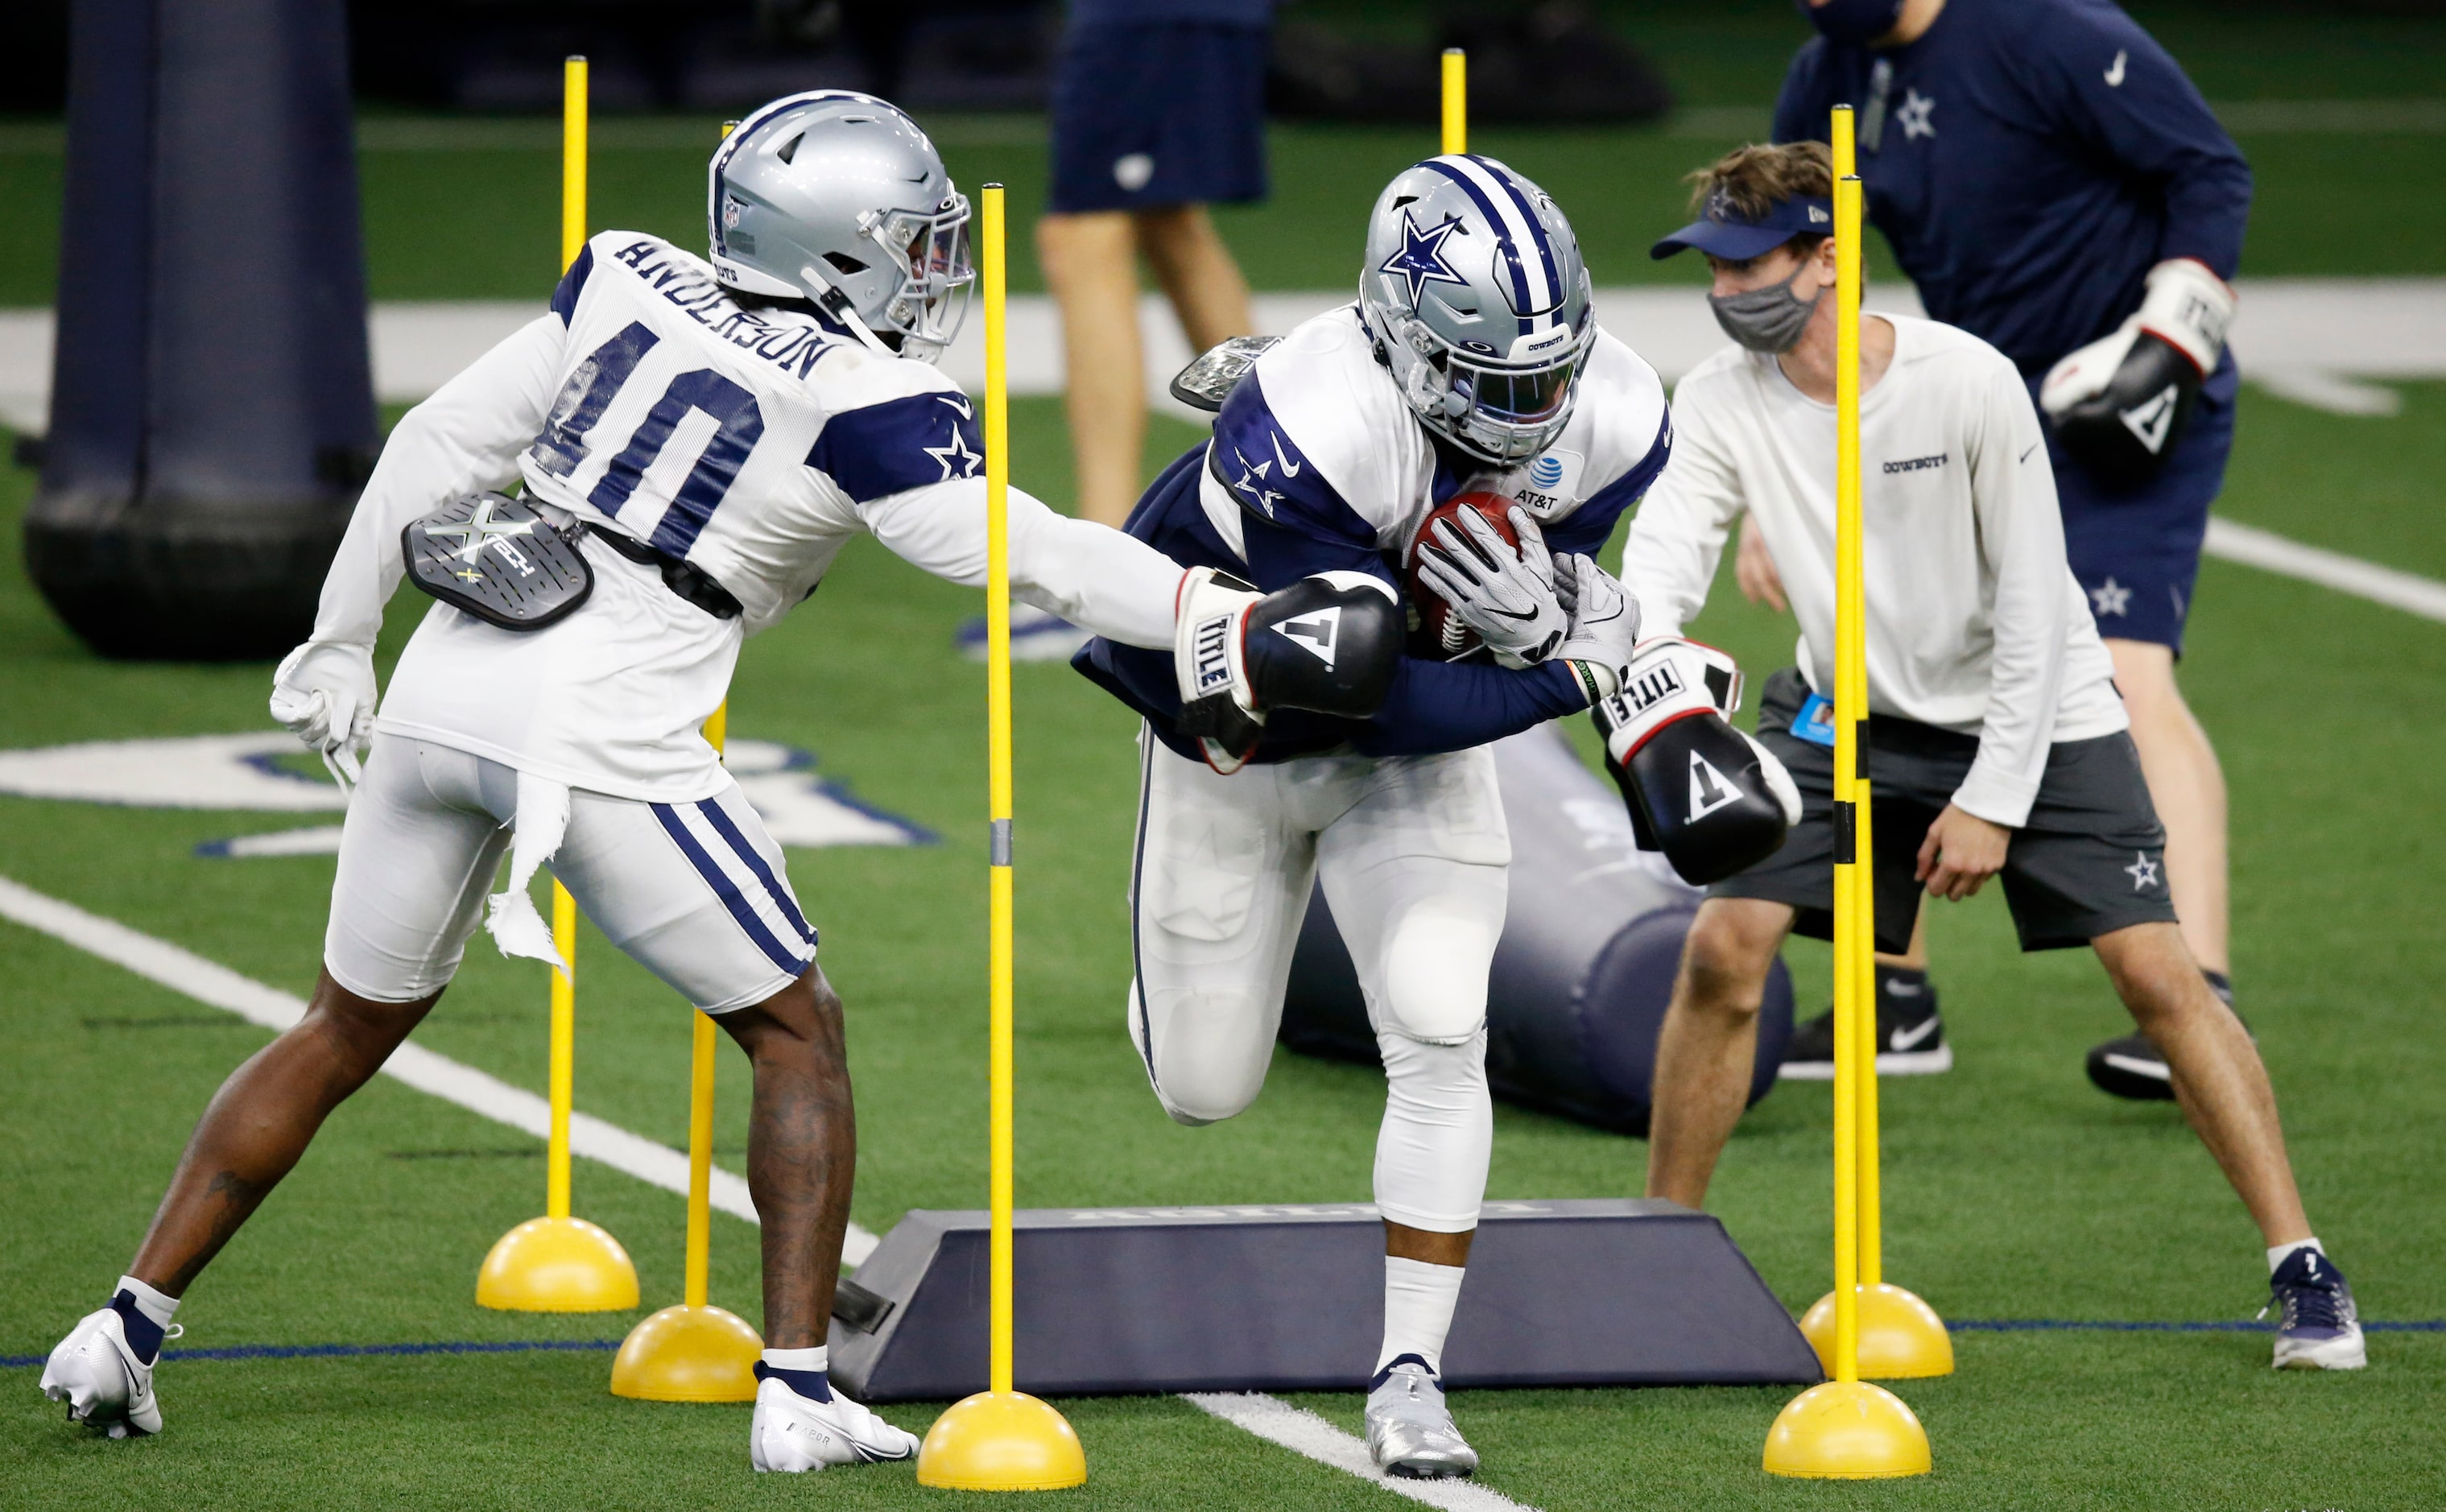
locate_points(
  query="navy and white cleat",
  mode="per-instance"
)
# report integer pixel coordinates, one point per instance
(106, 1385)
(1410, 1432)
(1035, 635)
(793, 1432)
(2318, 1327)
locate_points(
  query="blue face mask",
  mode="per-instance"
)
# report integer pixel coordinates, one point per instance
(1852, 23)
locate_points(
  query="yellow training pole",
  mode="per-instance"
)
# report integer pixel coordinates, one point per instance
(1000, 1439)
(1895, 1334)
(1456, 101)
(564, 1052)
(700, 1199)
(1847, 1429)
(557, 1263)
(694, 1352)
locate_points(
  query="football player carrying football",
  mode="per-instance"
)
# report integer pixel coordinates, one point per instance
(705, 436)
(1471, 362)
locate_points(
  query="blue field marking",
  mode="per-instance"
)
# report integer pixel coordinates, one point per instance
(339, 1352)
(327, 1351)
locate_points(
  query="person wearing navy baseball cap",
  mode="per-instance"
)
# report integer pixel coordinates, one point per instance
(1997, 738)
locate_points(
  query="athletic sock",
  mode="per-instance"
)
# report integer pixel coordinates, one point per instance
(801, 1371)
(1418, 1301)
(144, 1313)
(2278, 1253)
(2221, 984)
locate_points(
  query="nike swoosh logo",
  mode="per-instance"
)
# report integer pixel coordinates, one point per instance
(2026, 456)
(1290, 468)
(2115, 74)
(1509, 614)
(1905, 1038)
(960, 402)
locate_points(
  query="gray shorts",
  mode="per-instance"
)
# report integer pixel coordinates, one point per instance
(2090, 859)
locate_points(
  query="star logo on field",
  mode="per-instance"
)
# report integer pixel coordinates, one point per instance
(956, 456)
(2111, 597)
(1914, 115)
(1421, 258)
(2143, 871)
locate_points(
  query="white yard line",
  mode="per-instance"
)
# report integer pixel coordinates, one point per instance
(1303, 1432)
(488, 1096)
(2269, 552)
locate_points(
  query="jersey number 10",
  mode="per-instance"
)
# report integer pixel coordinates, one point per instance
(590, 387)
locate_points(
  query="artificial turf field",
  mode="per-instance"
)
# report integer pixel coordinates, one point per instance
(2015, 1192)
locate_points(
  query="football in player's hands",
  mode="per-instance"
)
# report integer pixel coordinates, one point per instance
(1439, 635)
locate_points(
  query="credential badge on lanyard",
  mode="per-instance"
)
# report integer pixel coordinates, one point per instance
(1815, 721)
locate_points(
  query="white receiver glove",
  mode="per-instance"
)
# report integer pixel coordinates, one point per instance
(1604, 625)
(1505, 595)
(324, 693)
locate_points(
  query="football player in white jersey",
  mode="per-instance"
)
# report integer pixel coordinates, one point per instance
(709, 435)
(1471, 361)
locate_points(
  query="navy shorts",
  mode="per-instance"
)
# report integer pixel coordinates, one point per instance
(1148, 114)
(2136, 552)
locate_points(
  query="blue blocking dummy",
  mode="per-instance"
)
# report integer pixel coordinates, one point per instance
(212, 403)
(1592, 938)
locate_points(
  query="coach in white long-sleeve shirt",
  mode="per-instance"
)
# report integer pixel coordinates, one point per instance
(1975, 623)
(1998, 742)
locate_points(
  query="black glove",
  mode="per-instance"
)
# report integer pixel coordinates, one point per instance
(1330, 642)
(1714, 801)
(2120, 402)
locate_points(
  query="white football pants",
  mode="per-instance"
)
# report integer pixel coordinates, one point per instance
(696, 892)
(1412, 852)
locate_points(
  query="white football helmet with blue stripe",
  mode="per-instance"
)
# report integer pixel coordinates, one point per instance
(839, 197)
(1476, 294)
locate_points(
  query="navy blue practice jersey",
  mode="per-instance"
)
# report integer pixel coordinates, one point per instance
(1317, 465)
(2030, 161)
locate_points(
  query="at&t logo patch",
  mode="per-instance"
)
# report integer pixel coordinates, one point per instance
(1551, 485)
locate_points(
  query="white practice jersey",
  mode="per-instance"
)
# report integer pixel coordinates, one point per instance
(751, 444)
(1322, 443)
(1975, 622)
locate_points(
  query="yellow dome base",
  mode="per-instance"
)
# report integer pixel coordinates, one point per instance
(1846, 1431)
(1900, 1335)
(557, 1265)
(1002, 1441)
(688, 1354)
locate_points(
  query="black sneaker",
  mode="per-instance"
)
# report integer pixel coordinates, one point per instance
(2131, 1068)
(1910, 1033)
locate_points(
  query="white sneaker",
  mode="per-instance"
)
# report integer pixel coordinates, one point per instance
(793, 1432)
(102, 1380)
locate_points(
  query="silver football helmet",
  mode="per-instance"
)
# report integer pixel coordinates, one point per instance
(839, 197)
(1476, 294)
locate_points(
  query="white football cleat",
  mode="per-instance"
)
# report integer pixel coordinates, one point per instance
(1410, 1433)
(101, 1379)
(793, 1433)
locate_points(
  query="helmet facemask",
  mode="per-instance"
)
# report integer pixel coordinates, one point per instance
(932, 249)
(1498, 410)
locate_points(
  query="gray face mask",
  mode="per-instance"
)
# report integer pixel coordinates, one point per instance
(1769, 319)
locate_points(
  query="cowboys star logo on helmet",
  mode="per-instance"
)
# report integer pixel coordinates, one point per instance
(1419, 258)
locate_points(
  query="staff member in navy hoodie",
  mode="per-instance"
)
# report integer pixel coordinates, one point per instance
(2055, 185)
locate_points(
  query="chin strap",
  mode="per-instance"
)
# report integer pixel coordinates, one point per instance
(837, 304)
